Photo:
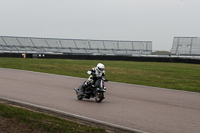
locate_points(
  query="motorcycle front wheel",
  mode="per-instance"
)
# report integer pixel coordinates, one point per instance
(79, 97)
(99, 96)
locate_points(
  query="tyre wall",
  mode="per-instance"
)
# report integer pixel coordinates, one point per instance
(103, 57)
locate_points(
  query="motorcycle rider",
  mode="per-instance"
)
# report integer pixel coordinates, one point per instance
(98, 71)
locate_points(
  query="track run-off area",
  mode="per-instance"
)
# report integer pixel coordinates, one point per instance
(144, 108)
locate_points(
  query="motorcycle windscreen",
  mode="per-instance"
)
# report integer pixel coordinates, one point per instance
(81, 86)
(97, 84)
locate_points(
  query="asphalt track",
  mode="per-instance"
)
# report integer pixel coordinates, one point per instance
(149, 109)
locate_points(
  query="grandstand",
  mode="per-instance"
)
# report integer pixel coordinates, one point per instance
(186, 46)
(13, 44)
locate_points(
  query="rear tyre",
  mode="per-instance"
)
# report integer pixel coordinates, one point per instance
(99, 96)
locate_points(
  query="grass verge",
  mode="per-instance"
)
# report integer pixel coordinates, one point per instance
(178, 76)
(46, 122)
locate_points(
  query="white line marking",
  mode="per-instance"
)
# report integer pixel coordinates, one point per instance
(75, 116)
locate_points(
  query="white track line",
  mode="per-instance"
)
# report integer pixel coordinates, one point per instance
(74, 115)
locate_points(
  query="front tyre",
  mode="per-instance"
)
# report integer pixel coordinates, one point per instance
(79, 97)
(99, 96)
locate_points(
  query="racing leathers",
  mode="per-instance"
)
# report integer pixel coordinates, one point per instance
(94, 73)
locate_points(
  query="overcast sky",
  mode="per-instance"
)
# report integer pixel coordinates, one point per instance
(134, 20)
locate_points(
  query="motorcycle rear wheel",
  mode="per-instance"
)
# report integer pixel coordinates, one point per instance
(99, 96)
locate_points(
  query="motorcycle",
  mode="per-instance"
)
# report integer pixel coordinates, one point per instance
(94, 91)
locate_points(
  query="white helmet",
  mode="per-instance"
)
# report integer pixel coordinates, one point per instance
(100, 67)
